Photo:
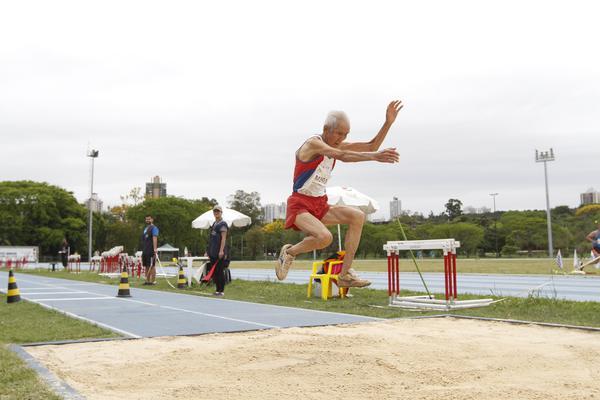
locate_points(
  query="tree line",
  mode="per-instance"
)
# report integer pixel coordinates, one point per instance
(40, 214)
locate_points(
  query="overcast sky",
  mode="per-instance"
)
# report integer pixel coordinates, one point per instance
(217, 96)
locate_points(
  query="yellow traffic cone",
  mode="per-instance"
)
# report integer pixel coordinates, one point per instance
(124, 285)
(13, 295)
(181, 282)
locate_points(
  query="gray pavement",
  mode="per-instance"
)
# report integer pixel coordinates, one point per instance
(151, 313)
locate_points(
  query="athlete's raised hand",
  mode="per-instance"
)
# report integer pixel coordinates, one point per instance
(392, 111)
(387, 156)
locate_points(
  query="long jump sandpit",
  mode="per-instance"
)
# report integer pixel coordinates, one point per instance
(433, 358)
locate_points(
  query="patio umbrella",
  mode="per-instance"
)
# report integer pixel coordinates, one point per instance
(232, 217)
(347, 196)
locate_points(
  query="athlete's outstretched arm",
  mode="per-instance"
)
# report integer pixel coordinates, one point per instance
(373, 145)
(316, 147)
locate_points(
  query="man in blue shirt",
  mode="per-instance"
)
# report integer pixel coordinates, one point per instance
(149, 246)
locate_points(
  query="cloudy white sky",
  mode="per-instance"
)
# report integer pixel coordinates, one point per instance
(217, 96)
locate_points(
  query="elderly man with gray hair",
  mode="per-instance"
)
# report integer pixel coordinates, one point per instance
(307, 208)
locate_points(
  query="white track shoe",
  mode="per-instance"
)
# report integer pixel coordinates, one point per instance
(284, 262)
(351, 280)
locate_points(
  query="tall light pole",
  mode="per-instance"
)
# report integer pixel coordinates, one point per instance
(93, 154)
(495, 226)
(545, 156)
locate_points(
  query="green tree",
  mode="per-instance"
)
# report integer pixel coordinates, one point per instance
(562, 238)
(525, 230)
(273, 236)
(173, 216)
(588, 209)
(39, 214)
(470, 236)
(368, 241)
(254, 241)
(453, 208)
(123, 233)
(246, 203)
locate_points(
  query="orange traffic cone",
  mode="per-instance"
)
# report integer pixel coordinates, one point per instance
(13, 295)
(124, 285)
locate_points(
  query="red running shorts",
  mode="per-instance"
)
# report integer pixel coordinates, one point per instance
(298, 203)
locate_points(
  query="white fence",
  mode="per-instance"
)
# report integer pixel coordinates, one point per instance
(14, 253)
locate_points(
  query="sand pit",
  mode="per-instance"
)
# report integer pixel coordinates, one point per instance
(439, 358)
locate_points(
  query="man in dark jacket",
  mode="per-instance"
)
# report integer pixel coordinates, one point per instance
(217, 250)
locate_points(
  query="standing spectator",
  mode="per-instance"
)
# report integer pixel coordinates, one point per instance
(64, 253)
(149, 246)
(217, 249)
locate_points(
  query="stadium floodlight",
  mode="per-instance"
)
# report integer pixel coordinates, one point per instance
(545, 157)
(93, 154)
(495, 226)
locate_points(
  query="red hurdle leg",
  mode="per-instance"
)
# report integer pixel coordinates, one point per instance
(446, 275)
(394, 272)
(389, 275)
(397, 257)
(450, 277)
(454, 275)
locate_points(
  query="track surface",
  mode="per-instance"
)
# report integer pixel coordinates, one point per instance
(151, 313)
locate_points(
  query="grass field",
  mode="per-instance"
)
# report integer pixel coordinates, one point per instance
(463, 265)
(25, 322)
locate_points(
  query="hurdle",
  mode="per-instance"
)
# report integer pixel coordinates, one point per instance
(451, 302)
(74, 263)
(109, 262)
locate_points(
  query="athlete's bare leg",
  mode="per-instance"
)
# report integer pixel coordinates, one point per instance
(355, 220)
(317, 234)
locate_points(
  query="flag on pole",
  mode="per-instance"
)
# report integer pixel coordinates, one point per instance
(575, 261)
(559, 260)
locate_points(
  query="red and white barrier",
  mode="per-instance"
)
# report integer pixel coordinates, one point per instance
(14, 262)
(448, 246)
(109, 262)
(74, 263)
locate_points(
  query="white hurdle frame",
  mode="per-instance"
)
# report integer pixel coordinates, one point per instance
(451, 302)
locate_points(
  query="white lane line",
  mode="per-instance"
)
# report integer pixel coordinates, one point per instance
(72, 298)
(30, 293)
(201, 313)
(80, 284)
(221, 317)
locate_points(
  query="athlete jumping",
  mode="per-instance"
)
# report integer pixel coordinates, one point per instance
(307, 208)
(594, 238)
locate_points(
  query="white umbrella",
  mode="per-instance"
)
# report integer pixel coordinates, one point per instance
(232, 217)
(347, 196)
